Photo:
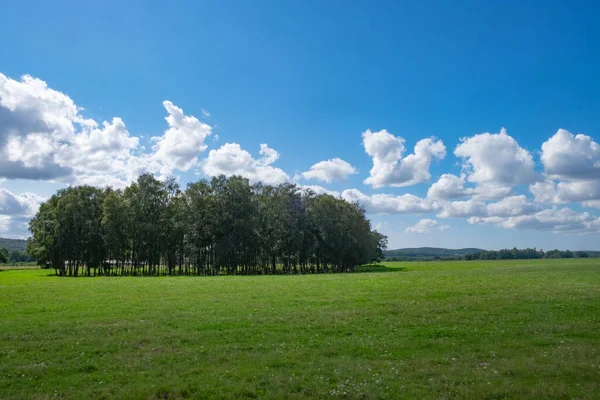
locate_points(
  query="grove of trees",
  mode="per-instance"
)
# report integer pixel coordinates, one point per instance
(225, 226)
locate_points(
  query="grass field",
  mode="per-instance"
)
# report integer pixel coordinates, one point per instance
(513, 329)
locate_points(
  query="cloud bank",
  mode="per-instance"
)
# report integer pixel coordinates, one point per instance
(46, 136)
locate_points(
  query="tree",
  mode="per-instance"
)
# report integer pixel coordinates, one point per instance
(3, 255)
(19, 256)
(115, 221)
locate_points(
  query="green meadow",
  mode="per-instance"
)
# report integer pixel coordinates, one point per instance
(475, 329)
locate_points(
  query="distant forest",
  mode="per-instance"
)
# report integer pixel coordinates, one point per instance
(217, 227)
(13, 251)
(433, 253)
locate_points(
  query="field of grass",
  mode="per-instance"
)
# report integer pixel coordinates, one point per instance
(478, 329)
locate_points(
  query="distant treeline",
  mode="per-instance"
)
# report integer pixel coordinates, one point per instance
(13, 251)
(14, 256)
(225, 226)
(433, 254)
(519, 254)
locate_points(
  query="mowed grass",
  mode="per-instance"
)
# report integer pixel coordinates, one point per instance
(511, 329)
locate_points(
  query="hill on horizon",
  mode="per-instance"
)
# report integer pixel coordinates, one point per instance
(13, 244)
(424, 253)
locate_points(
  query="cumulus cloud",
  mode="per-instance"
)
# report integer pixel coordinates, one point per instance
(389, 204)
(390, 168)
(463, 209)
(33, 120)
(328, 171)
(15, 212)
(568, 156)
(104, 156)
(448, 187)
(563, 220)
(43, 136)
(426, 225)
(512, 206)
(231, 159)
(24, 204)
(180, 145)
(572, 166)
(496, 163)
(544, 192)
(509, 206)
(551, 192)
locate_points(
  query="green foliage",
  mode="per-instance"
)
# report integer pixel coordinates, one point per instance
(16, 256)
(515, 329)
(433, 253)
(524, 254)
(3, 255)
(225, 226)
(13, 251)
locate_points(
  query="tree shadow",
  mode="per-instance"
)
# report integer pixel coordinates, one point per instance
(378, 268)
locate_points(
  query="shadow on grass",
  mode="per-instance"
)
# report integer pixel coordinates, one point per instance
(378, 268)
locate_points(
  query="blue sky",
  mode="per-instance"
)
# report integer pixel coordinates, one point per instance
(307, 78)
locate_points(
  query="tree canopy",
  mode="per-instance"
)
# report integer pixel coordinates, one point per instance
(3, 255)
(222, 226)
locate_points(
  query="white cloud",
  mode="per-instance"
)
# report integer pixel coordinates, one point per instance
(105, 156)
(24, 204)
(551, 192)
(320, 190)
(509, 206)
(562, 220)
(544, 192)
(463, 209)
(180, 145)
(269, 155)
(328, 171)
(448, 187)
(591, 203)
(29, 106)
(43, 136)
(231, 159)
(425, 226)
(389, 204)
(512, 206)
(390, 169)
(496, 163)
(15, 212)
(33, 120)
(572, 164)
(410, 204)
(568, 156)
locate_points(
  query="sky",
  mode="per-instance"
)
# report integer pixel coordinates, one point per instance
(454, 123)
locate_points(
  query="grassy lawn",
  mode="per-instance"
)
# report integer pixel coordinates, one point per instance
(512, 329)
